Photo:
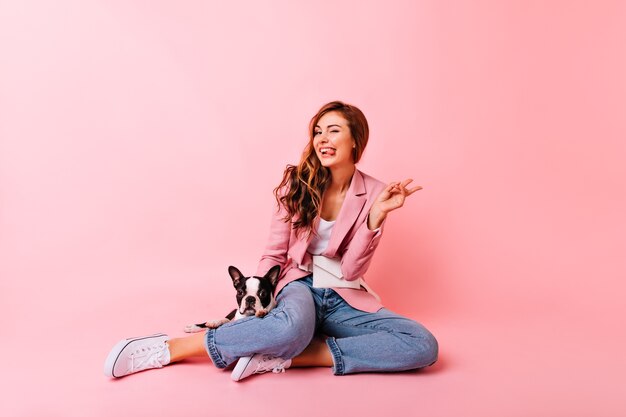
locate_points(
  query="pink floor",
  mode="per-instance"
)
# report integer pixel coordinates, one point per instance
(542, 361)
(140, 141)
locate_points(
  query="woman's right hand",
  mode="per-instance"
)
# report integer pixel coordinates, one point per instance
(391, 198)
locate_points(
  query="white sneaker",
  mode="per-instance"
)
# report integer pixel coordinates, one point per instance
(258, 364)
(137, 354)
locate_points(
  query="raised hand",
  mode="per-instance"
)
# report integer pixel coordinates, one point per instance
(391, 198)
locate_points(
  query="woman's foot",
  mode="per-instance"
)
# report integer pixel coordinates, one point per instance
(258, 364)
(137, 354)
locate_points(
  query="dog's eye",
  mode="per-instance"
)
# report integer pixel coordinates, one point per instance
(262, 293)
(240, 292)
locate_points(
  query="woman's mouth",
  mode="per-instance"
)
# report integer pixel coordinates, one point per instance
(327, 151)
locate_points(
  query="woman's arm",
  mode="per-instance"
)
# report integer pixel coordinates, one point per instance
(358, 256)
(275, 252)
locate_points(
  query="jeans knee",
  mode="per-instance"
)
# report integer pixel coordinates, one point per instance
(294, 335)
(424, 349)
(427, 350)
(430, 349)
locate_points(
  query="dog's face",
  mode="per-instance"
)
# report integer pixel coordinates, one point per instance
(254, 294)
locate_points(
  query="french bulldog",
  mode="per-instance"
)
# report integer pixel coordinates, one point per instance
(255, 297)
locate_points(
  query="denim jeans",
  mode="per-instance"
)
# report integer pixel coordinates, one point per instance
(358, 341)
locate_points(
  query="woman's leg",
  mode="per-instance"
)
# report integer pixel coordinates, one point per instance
(285, 332)
(316, 353)
(187, 347)
(376, 342)
(359, 342)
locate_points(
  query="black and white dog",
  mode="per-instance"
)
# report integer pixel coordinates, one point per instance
(255, 297)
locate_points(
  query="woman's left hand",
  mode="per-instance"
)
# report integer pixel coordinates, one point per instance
(389, 199)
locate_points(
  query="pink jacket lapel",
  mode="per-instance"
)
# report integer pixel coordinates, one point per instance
(356, 197)
(349, 213)
(298, 249)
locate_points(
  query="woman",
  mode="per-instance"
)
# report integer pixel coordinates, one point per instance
(325, 207)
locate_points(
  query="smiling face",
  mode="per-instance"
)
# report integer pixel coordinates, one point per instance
(333, 141)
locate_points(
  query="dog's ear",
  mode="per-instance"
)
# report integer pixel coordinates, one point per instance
(235, 275)
(272, 275)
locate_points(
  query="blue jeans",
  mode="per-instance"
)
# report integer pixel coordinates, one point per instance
(358, 341)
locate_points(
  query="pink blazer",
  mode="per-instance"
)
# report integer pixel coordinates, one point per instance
(350, 240)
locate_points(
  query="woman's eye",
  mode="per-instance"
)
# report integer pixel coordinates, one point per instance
(317, 133)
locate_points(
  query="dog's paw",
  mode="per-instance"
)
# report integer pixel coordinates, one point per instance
(193, 328)
(214, 324)
(211, 324)
(261, 313)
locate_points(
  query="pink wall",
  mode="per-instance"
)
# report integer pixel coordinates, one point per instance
(140, 139)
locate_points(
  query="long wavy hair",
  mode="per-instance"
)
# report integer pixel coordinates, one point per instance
(302, 187)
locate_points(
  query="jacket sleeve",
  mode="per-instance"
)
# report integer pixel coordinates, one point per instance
(277, 246)
(358, 255)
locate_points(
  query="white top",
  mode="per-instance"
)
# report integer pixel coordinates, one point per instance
(319, 243)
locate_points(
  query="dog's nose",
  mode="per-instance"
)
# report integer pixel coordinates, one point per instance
(250, 300)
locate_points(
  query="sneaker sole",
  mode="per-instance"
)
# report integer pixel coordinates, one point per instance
(109, 364)
(240, 368)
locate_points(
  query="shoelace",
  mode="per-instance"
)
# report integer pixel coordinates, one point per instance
(147, 357)
(266, 365)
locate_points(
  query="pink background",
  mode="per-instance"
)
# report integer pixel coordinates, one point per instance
(140, 139)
